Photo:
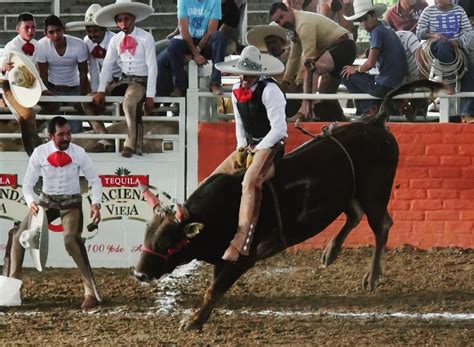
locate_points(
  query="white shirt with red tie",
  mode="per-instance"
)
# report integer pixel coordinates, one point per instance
(96, 63)
(60, 180)
(140, 61)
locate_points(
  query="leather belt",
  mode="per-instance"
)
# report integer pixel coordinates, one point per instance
(61, 88)
(133, 78)
(341, 39)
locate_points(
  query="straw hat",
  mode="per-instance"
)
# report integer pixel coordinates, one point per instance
(361, 7)
(25, 80)
(256, 36)
(89, 19)
(35, 239)
(105, 17)
(252, 62)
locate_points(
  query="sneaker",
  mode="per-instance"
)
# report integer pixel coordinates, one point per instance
(101, 148)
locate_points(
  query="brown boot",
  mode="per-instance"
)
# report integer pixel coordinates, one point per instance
(90, 303)
(231, 254)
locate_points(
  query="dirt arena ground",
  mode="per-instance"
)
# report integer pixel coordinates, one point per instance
(425, 297)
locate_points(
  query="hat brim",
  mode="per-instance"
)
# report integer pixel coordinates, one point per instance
(256, 36)
(76, 26)
(105, 17)
(26, 97)
(270, 66)
(379, 9)
(40, 255)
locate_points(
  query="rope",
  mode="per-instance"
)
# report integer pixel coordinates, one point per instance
(427, 63)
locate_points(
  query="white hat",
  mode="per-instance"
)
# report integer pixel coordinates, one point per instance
(25, 80)
(10, 291)
(252, 62)
(35, 238)
(105, 17)
(89, 19)
(361, 7)
(256, 36)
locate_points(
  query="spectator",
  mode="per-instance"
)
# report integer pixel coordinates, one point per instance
(62, 63)
(386, 52)
(198, 24)
(261, 130)
(59, 162)
(97, 41)
(26, 43)
(134, 49)
(336, 10)
(272, 38)
(324, 46)
(450, 31)
(405, 15)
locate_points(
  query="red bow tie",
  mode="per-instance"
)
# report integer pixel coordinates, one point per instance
(28, 48)
(243, 94)
(59, 159)
(98, 52)
(128, 43)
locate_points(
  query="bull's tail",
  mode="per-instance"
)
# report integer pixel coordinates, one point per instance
(387, 106)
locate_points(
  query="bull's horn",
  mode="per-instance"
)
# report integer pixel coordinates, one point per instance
(193, 229)
(182, 212)
(150, 198)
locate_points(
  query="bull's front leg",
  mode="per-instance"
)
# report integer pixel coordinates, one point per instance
(225, 275)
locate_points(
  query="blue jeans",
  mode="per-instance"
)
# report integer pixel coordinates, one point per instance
(443, 51)
(164, 80)
(365, 83)
(215, 50)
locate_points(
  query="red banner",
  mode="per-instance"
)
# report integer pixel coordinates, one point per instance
(123, 181)
(7, 180)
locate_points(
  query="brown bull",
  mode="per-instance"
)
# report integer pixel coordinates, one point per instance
(349, 170)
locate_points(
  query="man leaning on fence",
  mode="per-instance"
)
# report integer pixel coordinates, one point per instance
(134, 49)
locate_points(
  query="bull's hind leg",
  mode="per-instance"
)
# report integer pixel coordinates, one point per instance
(225, 275)
(353, 216)
(380, 227)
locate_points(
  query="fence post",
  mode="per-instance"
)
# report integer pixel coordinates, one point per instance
(192, 120)
(444, 104)
(56, 7)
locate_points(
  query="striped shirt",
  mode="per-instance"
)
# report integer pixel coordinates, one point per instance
(410, 44)
(454, 24)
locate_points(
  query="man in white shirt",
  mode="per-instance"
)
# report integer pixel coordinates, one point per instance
(62, 62)
(261, 129)
(134, 49)
(60, 162)
(25, 43)
(97, 41)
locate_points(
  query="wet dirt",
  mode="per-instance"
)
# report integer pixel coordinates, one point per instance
(425, 297)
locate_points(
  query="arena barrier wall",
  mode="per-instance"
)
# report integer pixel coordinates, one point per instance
(432, 202)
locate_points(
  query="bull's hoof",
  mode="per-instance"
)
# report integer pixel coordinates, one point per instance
(188, 324)
(370, 281)
(330, 254)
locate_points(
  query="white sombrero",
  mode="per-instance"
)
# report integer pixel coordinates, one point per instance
(24, 79)
(361, 7)
(35, 238)
(252, 62)
(89, 19)
(105, 17)
(256, 36)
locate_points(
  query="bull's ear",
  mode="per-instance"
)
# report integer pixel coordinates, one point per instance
(182, 212)
(193, 229)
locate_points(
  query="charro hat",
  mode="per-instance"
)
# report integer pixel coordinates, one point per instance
(24, 79)
(252, 62)
(105, 17)
(89, 19)
(256, 36)
(361, 7)
(35, 238)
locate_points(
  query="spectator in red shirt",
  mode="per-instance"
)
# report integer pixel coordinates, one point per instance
(405, 14)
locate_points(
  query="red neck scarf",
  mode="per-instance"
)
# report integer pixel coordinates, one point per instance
(243, 94)
(28, 48)
(128, 44)
(59, 159)
(98, 52)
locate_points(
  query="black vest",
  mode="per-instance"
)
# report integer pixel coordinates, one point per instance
(254, 114)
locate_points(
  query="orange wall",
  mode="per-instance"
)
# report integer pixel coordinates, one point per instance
(433, 194)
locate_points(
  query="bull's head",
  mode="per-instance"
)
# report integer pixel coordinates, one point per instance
(166, 236)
